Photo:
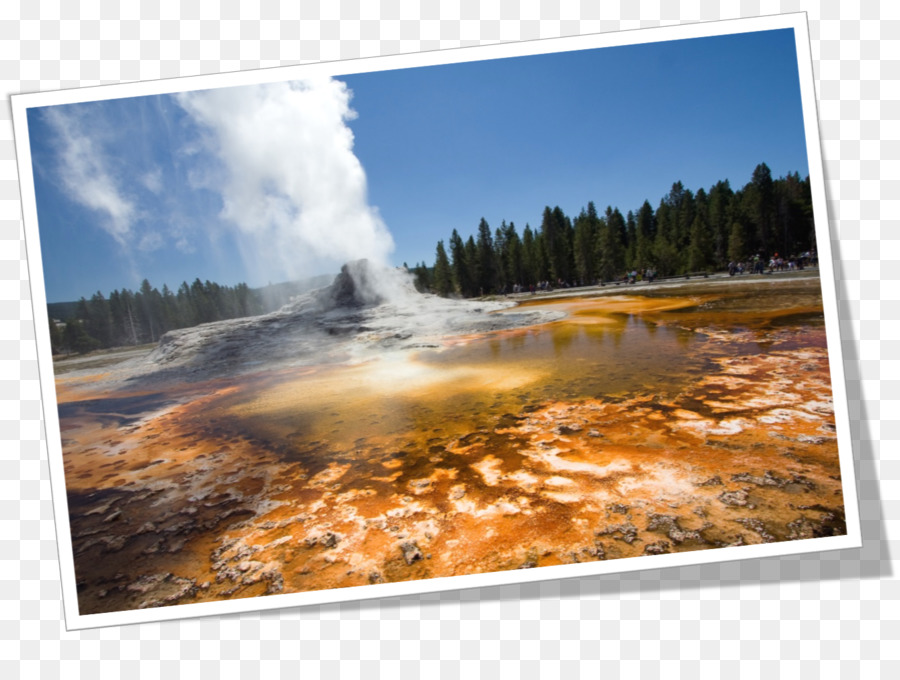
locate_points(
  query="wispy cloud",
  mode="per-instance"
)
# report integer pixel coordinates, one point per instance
(150, 240)
(268, 169)
(153, 180)
(103, 164)
(86, 175)
(288, 177)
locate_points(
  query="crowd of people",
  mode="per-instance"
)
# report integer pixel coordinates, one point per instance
(777, 263)
(755, 265)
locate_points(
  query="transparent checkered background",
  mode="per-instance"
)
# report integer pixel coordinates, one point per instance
(834, 614)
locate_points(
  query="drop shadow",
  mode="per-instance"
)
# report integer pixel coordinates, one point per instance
(872, 561)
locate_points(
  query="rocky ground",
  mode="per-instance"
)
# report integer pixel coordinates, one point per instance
(253, 477)
(366, 311)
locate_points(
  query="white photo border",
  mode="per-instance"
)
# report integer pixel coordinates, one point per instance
(796, 21)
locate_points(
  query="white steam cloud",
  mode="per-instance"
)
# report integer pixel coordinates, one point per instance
(291, 181)
(87, 178)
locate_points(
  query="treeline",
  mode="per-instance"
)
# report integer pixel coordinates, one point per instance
(136, 317)
(687, 232)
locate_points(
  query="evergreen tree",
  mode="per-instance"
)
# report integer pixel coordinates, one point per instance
(720, 218)
(687, 232)
(609, 247)
(77, 339)
(665, 253)
(459, 265)
(700, 249)
(169, 311)
(443, 278)
(736, 243)
(57, 342)
(486, 272)
(501, 254)
(686, 211)
(515, 258)
(187, 312)
(422, 279)
(542, 255)
(557, 241)
(583, 245)
(645, 235)
(565, 261)
(201, 302)
(530, 258)
(762, 206)
(473, 275)
(793, 218)
(149, 303)
(630, 241)
(101, 319)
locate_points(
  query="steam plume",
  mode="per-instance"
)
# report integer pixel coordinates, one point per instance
(289, 180)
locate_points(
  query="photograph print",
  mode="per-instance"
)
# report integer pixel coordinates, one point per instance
(391, 326)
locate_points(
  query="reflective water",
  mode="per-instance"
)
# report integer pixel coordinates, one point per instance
(691, 417)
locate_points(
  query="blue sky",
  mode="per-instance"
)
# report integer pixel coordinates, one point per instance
(239, 186)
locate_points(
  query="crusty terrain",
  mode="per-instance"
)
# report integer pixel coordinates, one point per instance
(622, 426)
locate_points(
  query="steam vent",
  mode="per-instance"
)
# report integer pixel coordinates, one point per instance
(357, 285)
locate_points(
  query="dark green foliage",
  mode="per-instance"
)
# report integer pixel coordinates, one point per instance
(610, 249)
(531, 257)
(486, 268)
(793, 223)
(644, 236)
(61, 310)
(630, 240)
(474, 274)
(700, 243)
(720, 219)
(442, 279)
(57, 343)
(76, 338)
(761, 193)
(132, 318)
(688, 233)
(459, 264)
(700, 250)
(422, 278)
(737, 244)
(587, 225)
(557, 234)
(96, 316)
(514, 257)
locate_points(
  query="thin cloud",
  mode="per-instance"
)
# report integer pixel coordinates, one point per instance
(85, 175)
(153, 180)
(150, 241)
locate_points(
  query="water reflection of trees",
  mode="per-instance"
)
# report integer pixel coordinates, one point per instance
(685, 337)
(507, 346)
(563, 337)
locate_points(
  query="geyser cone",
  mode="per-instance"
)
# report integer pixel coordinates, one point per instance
(362, 283)
(367, 311)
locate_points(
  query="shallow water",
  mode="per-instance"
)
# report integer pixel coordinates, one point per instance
(685, 419)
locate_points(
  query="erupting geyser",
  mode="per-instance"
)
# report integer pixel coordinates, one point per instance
(362, 284)
(367, 311)
(289, 181)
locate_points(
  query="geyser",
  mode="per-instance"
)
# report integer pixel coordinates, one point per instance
(368, 310)
(287, 175)
(364, 284)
